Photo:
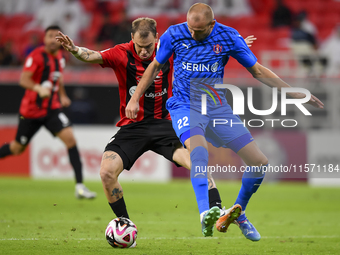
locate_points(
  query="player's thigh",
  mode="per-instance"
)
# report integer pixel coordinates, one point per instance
(224, 127)
(164, 141)
(26, 130)
(130, 142)
(189, 125)
(180, 117)
(182, 157)
(195, 141)
(111, 165)
(252, 155)
(67, 136)
(59, 125)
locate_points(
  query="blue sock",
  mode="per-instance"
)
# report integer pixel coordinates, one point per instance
(198, 174)
(251, 181)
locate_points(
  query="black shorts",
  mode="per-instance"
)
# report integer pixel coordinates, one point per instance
(54, 121)
(132, 140)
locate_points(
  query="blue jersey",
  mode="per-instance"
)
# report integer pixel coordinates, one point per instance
(204, 60)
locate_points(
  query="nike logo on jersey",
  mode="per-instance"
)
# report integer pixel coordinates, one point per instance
(132, 64)
(186, 45)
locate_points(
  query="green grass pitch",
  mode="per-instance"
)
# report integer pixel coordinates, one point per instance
(43, 217)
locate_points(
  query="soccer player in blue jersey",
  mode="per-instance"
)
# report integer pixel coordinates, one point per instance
(201, 48)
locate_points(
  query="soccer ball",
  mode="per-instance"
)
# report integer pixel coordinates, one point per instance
(121, 233)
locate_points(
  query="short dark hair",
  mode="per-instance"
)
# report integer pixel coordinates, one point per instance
(144, 26)
(52, 27)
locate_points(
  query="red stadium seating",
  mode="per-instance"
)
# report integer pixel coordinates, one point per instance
(325, 14)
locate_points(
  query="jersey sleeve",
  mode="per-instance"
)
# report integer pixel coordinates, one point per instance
(32, 63)
(110, 57)
(242, 53)
(164, 48)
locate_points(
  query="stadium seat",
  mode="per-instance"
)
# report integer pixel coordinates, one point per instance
(89, 5)
(313, 6)
(19, 20)
(295, 6)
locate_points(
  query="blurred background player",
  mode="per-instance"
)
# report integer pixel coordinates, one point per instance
(152, 130)
(41, 105)
(215, 43)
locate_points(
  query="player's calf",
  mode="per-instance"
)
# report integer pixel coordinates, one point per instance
(16, 148)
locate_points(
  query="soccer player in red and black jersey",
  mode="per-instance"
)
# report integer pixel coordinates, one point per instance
(152, 129)
(41, 105)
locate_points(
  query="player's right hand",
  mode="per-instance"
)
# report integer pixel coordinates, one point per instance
(43, 92)
(66, 42)
(132, 109)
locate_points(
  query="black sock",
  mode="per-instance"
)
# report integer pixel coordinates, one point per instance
(119, 208)
(74, 157)
(214, 198)
(5, 151)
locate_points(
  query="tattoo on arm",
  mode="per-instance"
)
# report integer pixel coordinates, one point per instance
(116, 193)
(89, 55)
(111, 156)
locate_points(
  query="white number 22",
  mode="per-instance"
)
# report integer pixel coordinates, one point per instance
(185, 122)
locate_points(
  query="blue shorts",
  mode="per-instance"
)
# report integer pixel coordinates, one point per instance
(219, 126)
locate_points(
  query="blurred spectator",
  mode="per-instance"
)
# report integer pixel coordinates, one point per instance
(10, 7)
(282, 15)
(33, 43)
(304, 46)
(48, 13)
(82, 110)
(229, 8)
(7, 58)
(302, 30)
(68, 14)
(137, 8)
(306, 24)
(115, 33)
(330, 49)
(73, 18)
(106, 31)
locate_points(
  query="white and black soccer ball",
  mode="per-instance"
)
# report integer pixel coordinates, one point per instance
(121, 233)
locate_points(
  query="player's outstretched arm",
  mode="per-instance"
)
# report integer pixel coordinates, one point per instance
(149, 76)
(81, 53)
(27, 82)
(269, 78)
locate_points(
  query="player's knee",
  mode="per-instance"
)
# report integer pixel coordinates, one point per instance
(108, 175)
(260, 161)
(264, 161)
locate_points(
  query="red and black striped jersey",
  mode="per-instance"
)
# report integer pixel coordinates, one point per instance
(129, 69)
(45, 67)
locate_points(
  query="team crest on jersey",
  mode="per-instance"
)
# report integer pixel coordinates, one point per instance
(217, 48)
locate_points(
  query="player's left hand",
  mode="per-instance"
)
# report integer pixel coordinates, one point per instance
(66, 42)
(65, 101)
(249, 40)
(132, 109)
(314, 101)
